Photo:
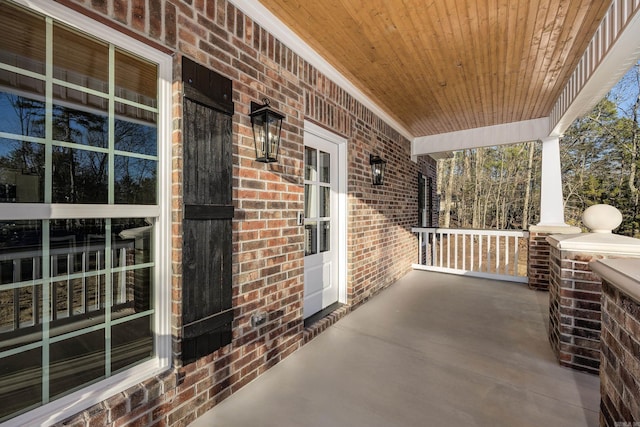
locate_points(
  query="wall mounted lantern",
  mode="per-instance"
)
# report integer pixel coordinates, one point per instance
(377, 169)
(266, 124)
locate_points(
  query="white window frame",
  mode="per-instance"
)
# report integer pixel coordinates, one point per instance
(75, 402)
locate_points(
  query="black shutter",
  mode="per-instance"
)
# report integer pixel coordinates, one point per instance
(429, 202)
(421, 199)
(207, 313)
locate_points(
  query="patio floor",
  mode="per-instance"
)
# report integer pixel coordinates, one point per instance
(432, 350)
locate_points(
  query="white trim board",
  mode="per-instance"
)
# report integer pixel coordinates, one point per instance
(509, 133)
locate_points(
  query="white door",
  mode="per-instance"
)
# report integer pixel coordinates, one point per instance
(320, 224)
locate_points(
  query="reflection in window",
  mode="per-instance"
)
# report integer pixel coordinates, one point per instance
(77, 289)
(22, 115)
(21, 171)
(325, 233)
(310, 238)
(135, 181)
(311, 164)
(79, 176)
(325, 167)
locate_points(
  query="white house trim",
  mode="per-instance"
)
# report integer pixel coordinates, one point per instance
(343, 207)
(488, 136)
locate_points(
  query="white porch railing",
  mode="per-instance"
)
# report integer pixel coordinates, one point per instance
(495, 254)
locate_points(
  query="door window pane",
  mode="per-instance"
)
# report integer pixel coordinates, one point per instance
(311, 164)
(310, 201)
(325, 236)
(325, 202)
(310, 238)
(325, 167)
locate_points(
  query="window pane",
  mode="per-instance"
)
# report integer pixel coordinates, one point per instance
(77, 258)
(21, 171)
(135, 180)
(78, 105)
(135, 130)
(76, 362)
(325, 201)
(132, 288)
(20, 251)
(21, 115)
(80, 126)
(131, 343)
(325, 167)
(20, 382)
(79, 59)
(325, 236)
(311, 164)
(136, 79)
(310, 238)
(79, 176)
(310, 201)
(23, 38)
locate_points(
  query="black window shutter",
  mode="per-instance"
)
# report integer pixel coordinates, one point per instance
(207, 312)
(421, 199)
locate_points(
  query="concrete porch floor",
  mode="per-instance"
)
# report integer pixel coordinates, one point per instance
(432, 350)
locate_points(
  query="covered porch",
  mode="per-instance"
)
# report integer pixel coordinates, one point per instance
(433, 349)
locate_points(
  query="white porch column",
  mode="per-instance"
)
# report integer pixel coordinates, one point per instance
(551, 203)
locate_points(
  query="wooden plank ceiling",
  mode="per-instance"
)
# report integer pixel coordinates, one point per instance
(445, 65)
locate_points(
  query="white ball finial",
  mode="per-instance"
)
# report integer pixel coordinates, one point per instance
(602, 218)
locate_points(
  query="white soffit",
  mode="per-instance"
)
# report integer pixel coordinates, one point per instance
(267, 20)
(509, 133)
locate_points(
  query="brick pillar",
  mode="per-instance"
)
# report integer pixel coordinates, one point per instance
(620, 368)
(575, 293)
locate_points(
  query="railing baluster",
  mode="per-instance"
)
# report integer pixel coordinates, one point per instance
(516, 255)
(473, 245)
(480, 263)
(434, 249)
(464, 251)
(498, 254)
(455, 251)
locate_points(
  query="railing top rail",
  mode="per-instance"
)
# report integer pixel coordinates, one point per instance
(470, 231)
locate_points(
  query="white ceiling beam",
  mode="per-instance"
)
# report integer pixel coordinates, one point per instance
(509, 133)
(267, 20)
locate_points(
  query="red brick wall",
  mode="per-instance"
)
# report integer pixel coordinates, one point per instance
(620, 369)
(268, 245)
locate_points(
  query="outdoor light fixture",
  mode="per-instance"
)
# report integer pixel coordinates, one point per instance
(377, 169)
(266, 124)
